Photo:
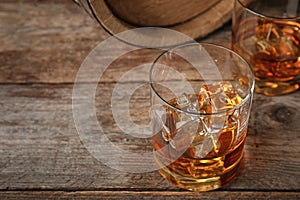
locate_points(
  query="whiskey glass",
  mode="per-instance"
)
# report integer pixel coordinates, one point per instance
(267, 34)
(201, 96)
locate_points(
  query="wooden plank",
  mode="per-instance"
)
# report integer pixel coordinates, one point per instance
(40, 148)
(43, 40)
(46, 42)
(10, 195)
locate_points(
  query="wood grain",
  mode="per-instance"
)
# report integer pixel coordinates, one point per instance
(41, 148)
(149, 195)
(158, 13)
(44, 41)
(199, 26)
(43, 44)
(39, 48)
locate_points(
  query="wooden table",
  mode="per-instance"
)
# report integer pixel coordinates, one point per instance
(42, 46)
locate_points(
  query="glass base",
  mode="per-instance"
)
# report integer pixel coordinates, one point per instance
(203, 184)
(275, 88)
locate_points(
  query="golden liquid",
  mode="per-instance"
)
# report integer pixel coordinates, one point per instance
(272, 47)
(210, 160)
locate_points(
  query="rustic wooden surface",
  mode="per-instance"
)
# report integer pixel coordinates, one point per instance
(42, 46)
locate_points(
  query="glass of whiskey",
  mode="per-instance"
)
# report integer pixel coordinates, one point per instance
(201, 96)
(267, 34)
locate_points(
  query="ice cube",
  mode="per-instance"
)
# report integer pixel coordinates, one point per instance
(180, 124)
(183, 118)
(214, 98)
(186, 103)
(205, 121)
(166, 134)
(213, 127)
(286, 47)
(184, 135)
(267, 34)
(204, 92)
(204, 100)
(192, 109)
(213, 124)
(221, 101)
(208, 146)
(183, 101)
(272, 41)
(160, 118)
(232, 92)
(268, 31)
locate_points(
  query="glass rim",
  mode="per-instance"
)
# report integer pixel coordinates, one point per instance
(247, 97)
(265, 16)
